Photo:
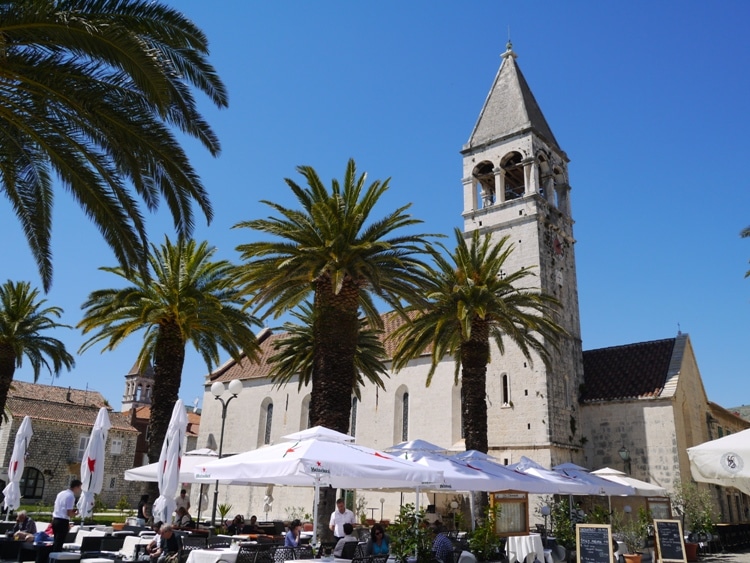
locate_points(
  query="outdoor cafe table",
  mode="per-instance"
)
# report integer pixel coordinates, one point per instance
(213, 555)
(521, 546)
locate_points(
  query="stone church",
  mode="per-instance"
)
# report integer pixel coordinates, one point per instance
(635, 407)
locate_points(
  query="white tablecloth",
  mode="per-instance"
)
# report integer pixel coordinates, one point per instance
(212, 555)
(521, 546)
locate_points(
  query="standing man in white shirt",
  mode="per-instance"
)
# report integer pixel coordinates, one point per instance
(341, 516)
(64, 510)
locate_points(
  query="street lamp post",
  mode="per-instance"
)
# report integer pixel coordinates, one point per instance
(217, 389)
(625, 456)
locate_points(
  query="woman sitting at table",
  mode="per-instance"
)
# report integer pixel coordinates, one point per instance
(184, 520)
(235, 528)
(379, 543)
(292, 536)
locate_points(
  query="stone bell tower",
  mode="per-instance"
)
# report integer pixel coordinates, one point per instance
(138, 387)
(515, 183)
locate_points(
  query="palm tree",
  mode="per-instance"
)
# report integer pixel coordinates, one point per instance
(294, 353)
(23, 321)
(188, 297)
(332, 249)
(90, 91)
(471, 303)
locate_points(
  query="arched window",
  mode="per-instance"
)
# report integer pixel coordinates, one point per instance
(138, 391)
(353, 417)
(515, 183)
(405, 417)
(304, 417)
(506, 390)
(485, 178)
(32, 483)
(269, 421)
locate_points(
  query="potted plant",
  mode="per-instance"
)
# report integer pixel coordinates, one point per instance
(484, 542)
(695, 507)
(632, 530)
(410, 537)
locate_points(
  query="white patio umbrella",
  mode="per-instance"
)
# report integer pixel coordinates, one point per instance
(318, 459)
(724, 462)
(92, 464)
(16, 465)
(566, 485)
(168, 469)
(599, 486)
(190, 461)
(515, 479)
(641, 488)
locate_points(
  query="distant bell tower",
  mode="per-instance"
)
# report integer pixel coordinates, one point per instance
(138, 387)
(515, 183)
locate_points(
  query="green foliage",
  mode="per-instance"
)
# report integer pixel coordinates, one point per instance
(297, 513)
(224, 510)
(99, 505)
(632, 529)
(599, 515)
(562, 527)
(410, 535)
(484, 542)
(361, 509)
(123, 504)
(695, 506)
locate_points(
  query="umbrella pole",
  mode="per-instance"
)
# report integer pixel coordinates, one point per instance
(315, 512)
(471, 511)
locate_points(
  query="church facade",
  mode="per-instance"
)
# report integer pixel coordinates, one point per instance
(644, 402)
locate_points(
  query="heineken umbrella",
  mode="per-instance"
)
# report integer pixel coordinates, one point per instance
(190, 461)
(724, 462)
(168, 470)
(16, 465)
(92, 464)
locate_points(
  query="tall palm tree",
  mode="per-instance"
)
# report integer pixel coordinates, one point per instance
(471, 303)
(90, 92)
(188, 298)
(23, 321)
(333, 249)
(294, 353)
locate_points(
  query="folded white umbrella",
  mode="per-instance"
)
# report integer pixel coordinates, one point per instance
(641, 488)
(190, 461)
(168, 470)
(319, 459)
(92, 464)
(598, 485)
(16, 464)
(724, 462)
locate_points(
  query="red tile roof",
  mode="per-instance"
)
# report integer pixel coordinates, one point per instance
(61, 404)
(626, 372)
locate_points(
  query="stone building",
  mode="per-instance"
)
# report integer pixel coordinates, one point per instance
(62, 419)
(644, 402)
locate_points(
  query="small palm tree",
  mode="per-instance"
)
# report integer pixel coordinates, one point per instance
(294, 353)
(188, 297)
(331, 249)
(90, 91)
(469, 304)
(23, 321)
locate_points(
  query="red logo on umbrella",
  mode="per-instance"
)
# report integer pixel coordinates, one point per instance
(91, 463)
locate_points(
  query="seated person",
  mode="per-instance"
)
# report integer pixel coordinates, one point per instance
(348, 537)
(379, 543)
(237, 526)
(184, 520)
(252, 527)
(169, 545)
(292, 536)
(154, 545)
(441, 545)
(25, 527)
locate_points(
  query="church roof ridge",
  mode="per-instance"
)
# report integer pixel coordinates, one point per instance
(510, 108)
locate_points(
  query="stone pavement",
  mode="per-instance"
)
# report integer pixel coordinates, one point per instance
(726, 557)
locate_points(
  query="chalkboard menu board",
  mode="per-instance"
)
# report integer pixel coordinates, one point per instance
(593, 543)
(669, 540)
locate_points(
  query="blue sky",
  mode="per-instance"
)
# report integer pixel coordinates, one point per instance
(649, 100)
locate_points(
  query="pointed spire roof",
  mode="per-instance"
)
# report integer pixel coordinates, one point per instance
(148, 372)
(510, 108)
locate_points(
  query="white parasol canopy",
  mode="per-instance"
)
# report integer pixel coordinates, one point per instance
(599, 486)
(16, 465)
(566, 485)
(319, 459)
(515, 479)
(641, 488)
(190, 461)
(92, 464)
(168, 470)
(724, 462)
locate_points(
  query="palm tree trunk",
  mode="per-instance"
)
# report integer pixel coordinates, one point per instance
(7, 369)
(169, 357)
